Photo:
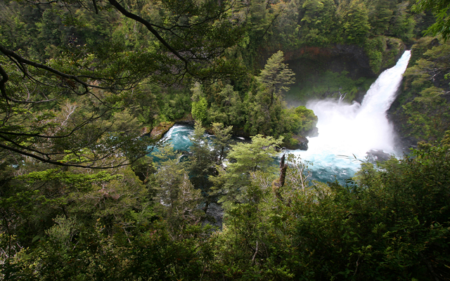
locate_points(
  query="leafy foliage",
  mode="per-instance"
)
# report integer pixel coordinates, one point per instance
(75, 66)
(355, 22)
(79, 79)
(391, 221)
(440, 9)
(425, 109)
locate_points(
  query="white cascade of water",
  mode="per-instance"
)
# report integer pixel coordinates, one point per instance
(348, 130)
(176, 129)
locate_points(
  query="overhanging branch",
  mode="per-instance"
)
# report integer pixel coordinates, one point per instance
(47, 68)
(58, 163)
(149, 27)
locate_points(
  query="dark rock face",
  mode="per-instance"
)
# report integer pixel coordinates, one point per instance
(336, 58)
(374, 156)
(312, 62)
(214, 214)
(397, 117)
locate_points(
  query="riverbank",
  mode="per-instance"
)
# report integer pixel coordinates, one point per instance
(160, 130)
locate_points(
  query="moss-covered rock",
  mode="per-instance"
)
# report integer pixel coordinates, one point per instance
(145, 131)
(297, 142)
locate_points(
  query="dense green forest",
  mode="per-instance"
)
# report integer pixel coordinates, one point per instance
(422, 110)
(89, 87)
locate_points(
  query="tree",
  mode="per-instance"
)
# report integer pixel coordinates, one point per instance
(355, 22)
(276, 76)
(227, 107)
(379, 17)
(319, 17)
(233, 182)
(427, 112)
(201, 160)
(403, 23)
(266, 104)
(179, 199)
(221, 140)
(440, 9)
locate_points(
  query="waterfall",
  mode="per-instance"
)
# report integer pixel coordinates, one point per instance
(348, 131)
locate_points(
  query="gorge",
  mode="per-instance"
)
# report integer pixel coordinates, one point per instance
(346, 131)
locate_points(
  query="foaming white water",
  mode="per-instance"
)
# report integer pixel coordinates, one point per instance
(176, 129)
(347, 130)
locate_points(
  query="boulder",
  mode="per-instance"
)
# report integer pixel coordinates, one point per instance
(159, 131)
(301, 143)
(374, 156)
(145, 131)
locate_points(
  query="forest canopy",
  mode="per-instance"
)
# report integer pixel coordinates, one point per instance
(62, 88)
(87, 192)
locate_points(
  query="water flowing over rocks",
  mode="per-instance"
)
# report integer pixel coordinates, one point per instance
(162, 128)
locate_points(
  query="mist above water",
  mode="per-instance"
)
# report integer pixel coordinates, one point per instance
(347, 130)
